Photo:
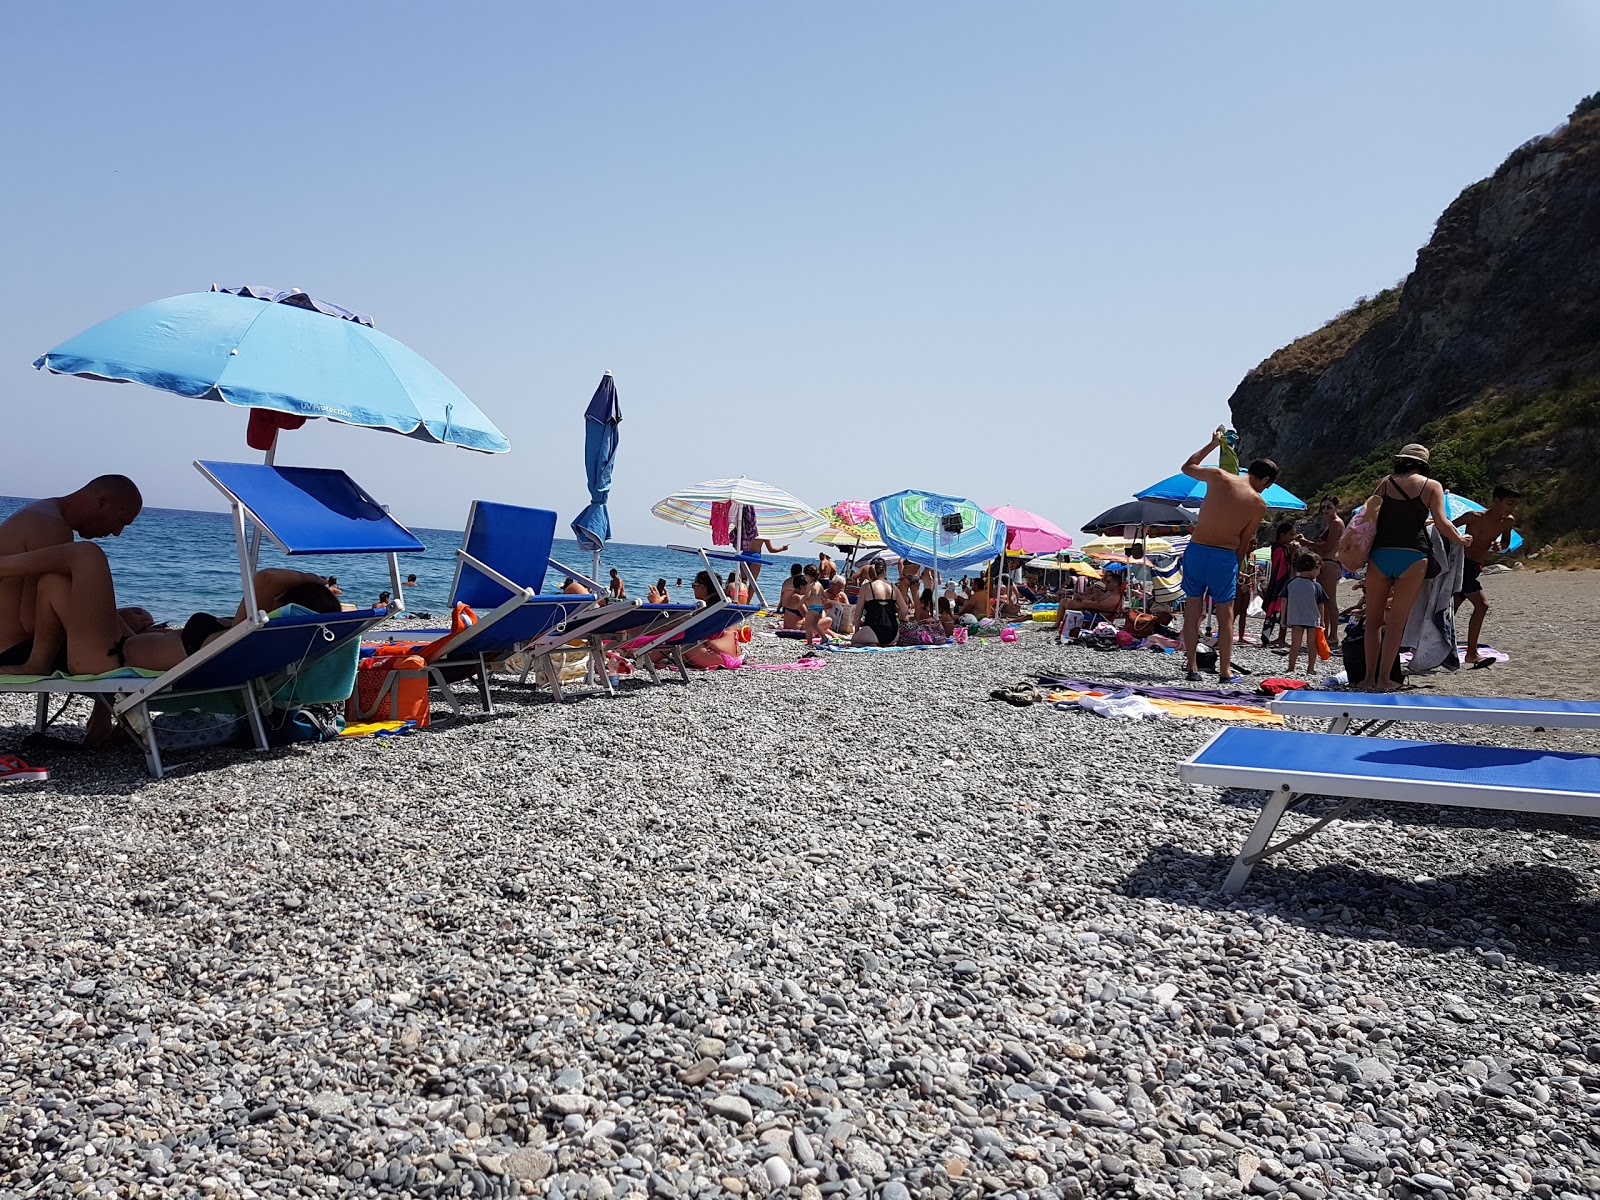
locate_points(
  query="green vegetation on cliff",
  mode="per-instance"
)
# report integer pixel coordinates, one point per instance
(1473, 447)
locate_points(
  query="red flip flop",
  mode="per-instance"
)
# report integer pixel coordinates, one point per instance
(14, 770)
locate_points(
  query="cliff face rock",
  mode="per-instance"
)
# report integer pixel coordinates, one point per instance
(1502, 310)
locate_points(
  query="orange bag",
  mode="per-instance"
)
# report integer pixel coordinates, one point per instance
(405, 700)
(1323, 650)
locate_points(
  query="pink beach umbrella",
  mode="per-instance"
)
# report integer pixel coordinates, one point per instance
(1029, 532)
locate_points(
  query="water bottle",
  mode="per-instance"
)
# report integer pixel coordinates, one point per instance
(1230, 449)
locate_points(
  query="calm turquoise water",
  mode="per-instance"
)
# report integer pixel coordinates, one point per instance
(175, 562)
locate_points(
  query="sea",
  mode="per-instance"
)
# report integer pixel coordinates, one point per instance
(176, 561)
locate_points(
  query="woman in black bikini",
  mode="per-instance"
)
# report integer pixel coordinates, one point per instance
(1399, 560)
(75, 613)
(789, 603)
(879, 610)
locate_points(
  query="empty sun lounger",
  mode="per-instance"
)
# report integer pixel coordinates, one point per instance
(500, 567)
(305, 510)
(1293, 767)
(1380, 710)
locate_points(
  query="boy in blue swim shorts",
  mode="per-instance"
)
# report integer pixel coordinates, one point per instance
(1230, 512)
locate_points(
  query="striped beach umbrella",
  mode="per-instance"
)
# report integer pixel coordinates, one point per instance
(850, 525)
(946, 533)
(777, 513)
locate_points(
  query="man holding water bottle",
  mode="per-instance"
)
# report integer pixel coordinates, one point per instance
(1229, 514)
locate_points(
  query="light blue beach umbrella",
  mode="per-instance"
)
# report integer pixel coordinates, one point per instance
(283, 353)
(1455, 505)
(946, 533)
(1180, 489)
(592, 527)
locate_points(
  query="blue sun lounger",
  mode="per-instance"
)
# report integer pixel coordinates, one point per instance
(1293, 767)
(722, 614)
(615, 627)
(1379, 710)
(500, 567)
(305, 510)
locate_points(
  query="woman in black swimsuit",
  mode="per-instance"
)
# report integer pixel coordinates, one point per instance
(75, 613)
(1399, 560)
(790, 605)
(879, 610)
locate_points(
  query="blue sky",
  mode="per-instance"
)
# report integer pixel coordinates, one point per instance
(1019, 252)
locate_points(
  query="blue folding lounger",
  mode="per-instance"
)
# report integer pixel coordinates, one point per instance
(500, 567)
(1379, 710)
(722, 614)
(305, 510)
(1292, 767)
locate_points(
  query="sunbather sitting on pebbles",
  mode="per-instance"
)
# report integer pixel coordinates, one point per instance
(78, 626)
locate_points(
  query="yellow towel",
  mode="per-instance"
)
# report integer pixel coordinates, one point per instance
(1188, 708)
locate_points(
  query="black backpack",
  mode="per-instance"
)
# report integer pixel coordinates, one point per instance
(1354, 651)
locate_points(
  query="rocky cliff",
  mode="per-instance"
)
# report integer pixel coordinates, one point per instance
(1488, 352)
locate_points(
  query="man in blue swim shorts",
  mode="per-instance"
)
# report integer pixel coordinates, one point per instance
(1229, 516)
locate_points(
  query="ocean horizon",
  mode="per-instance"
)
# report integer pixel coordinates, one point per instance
(176, 561)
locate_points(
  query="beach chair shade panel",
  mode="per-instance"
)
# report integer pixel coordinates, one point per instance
(1499, 777)
(282, 643)
(312, 510)
(1444, 710)
(510, 539)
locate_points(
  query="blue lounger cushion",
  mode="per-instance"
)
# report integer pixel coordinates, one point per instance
(1389, 769)
(1443, 710)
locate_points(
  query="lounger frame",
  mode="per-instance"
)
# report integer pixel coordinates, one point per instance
(1293, 790)
(129, 699)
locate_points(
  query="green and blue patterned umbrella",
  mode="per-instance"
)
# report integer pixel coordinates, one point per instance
(946, 533)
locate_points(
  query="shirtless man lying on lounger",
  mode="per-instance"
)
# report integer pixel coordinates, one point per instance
(103, 507)
(76, 622)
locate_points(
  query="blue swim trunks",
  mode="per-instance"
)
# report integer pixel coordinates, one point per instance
(1210, 570)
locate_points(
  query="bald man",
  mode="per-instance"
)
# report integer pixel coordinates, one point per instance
(103, 507)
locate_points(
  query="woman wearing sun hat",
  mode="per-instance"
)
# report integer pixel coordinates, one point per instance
(1399, 560)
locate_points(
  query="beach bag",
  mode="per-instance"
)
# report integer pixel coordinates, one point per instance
(1354, 652)
(1140, 624)
(1324, 651)
(388, 690)
(1355, 547)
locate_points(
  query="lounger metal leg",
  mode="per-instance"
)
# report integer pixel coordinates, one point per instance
(1271, 813)
(41, 710)
(554, 673)
(649, 666)
(677, 658)
(152, 752)
(483, 684)
(258, 730)
(1339, 724)
(437, 683)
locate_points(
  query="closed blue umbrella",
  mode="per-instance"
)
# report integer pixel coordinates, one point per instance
(592, 527)
(1180, 489)
(281, 352)
(946, 533)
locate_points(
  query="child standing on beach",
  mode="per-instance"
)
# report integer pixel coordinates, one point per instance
(1303, 601)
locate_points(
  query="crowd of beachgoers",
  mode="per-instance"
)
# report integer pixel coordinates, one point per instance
(891, 909)
(856, 930)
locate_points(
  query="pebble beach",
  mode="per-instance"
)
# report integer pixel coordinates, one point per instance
(860, 931)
